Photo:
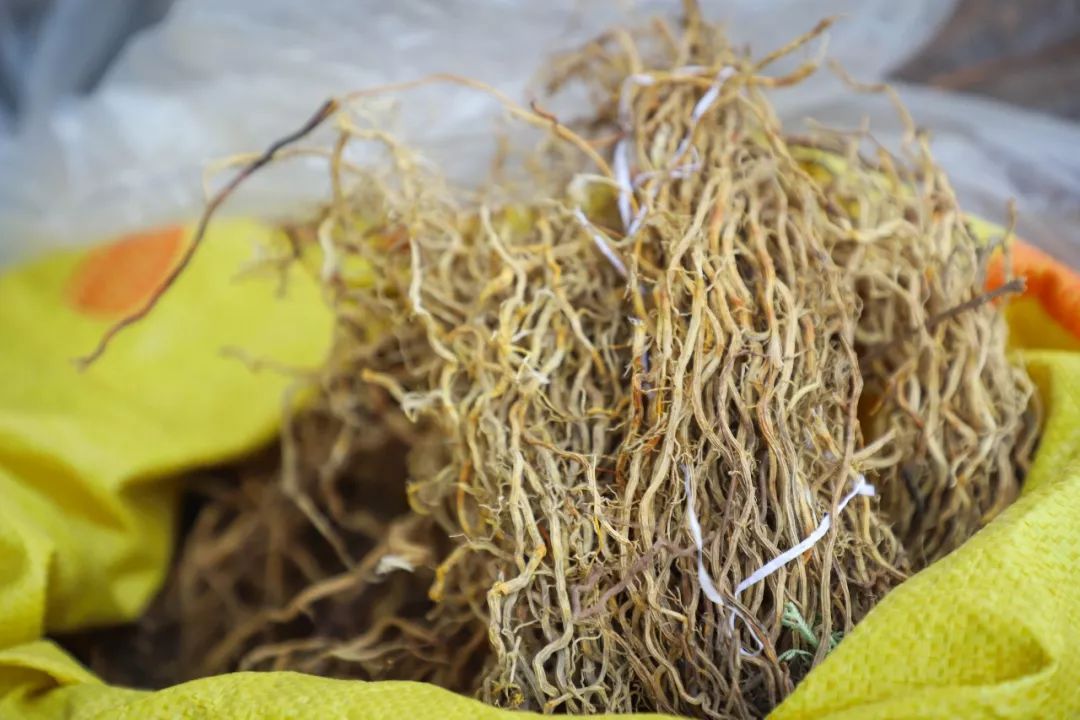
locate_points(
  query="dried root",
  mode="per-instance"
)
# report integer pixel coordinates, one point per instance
(645, 414)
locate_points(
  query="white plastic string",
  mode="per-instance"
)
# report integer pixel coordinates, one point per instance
(705, 580)
(688, 70)
(702, 106)
(621, 168)
(621, 159)
(639, 218)
(678, 172)
(706, 100)
(861, 488)
(624, 96)
(601, 242)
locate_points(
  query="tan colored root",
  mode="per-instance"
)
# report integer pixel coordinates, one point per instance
(261, 585)
(580, 370)
(939, 384)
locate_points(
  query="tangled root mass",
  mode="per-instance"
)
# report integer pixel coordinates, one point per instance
(622, 404)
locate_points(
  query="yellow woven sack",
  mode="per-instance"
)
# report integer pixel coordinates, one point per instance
(86, 504)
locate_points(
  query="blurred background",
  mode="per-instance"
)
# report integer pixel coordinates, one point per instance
(110, 109)
(1025, 52)
(53, 48)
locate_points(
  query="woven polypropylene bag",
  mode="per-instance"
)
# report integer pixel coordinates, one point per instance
(86, 505)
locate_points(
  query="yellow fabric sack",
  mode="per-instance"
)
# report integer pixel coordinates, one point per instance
(86, 512)
(86, 507)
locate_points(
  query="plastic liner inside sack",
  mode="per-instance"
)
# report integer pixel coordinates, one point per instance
(216, 79)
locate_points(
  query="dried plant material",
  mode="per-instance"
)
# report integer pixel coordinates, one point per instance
(941, 394)
(649, 415)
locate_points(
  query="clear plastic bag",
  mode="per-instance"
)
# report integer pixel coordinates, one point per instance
(218, 78)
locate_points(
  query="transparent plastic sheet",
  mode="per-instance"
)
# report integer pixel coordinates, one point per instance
(218, 78)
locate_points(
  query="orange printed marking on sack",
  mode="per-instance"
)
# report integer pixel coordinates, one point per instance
(1055, 285)
(119, 277)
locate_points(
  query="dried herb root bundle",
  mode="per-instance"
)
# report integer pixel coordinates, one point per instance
(656, 406)
(648, 399)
